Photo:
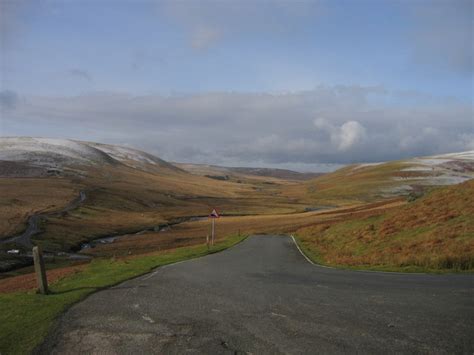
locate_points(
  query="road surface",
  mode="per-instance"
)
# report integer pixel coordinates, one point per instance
(33, 223)
(263, 296)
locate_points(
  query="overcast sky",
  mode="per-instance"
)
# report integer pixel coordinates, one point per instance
(308, 85)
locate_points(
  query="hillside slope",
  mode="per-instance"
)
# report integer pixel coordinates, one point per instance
(134, 158)
(46, 156)
(237, 173)
(433, 232)
(127, 191)
(370, 182)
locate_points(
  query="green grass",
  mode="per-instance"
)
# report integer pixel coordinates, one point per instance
(26, 317)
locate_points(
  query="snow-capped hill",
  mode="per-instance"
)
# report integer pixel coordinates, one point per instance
(444, 164)
(27, 156)
(409, 174)
(51, 153)
(132, 157)
(468, 155)
(458, 163)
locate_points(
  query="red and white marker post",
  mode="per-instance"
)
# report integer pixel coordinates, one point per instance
(214, 214)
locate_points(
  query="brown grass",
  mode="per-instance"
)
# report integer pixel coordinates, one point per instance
(434, 232)
(356, 183)
(125, 200)
(28, 281)
(191, 233)
(20, 198)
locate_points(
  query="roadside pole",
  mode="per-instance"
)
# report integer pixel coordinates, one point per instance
(213, 230)
(40, 270)
(214, 214)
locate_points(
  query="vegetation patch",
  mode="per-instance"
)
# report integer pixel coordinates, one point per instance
(433, 233)
(26, 317)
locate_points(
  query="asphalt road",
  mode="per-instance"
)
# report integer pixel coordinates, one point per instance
(33, 223)
(262, 296)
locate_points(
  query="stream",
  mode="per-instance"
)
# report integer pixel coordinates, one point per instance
(159, 228)
(34, 227)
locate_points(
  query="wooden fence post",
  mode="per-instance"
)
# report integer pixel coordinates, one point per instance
(40, 270)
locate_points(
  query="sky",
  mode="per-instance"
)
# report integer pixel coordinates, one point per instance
(300, 84)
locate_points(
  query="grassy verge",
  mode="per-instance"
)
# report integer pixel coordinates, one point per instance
(434, 233)
(25, 318)
(380, 258)
(316, 257)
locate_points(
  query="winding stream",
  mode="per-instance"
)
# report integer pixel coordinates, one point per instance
(159, 228)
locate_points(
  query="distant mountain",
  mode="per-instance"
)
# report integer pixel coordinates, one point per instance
(51, 152)
(133, 157)
(277, 173)
(215, 171)
(28, 157)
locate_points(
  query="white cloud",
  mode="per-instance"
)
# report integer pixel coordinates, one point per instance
(350, 133)
(246, 129)
(342, 137)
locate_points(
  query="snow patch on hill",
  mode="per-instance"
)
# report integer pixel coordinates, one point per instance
(133, 157)
(437, 170)
(54, 156)
(469, 155)
(48, 152)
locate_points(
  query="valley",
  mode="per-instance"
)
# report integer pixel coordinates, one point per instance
(134, 203)
(104, 214)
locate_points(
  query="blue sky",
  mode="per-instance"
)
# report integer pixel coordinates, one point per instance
(406, 49)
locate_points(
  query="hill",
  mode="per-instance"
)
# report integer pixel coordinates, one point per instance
(45, 156)
(370, 182)
(236, 173)
(433, 232)
(126, 191)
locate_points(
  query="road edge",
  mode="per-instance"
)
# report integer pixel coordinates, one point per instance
(38, 349)
(307, 257)
(364, 271)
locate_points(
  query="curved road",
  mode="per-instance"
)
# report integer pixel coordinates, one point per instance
(262, 296)
(34, 220)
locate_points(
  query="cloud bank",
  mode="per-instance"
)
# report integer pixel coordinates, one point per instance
(327, 125)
